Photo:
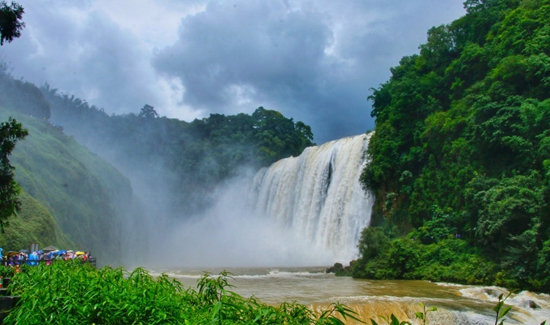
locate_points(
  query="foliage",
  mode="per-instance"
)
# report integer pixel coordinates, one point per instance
(10, 133)
(22, 96)
(34, 224)
(461, 144)
(391, 320)
(71, 293)
(500, 309)
(87, 197)
(423, 315)
(449, 260)
(190, 158)
(10, 21)
(166, 155)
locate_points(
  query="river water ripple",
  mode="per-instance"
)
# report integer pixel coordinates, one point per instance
(457, 304)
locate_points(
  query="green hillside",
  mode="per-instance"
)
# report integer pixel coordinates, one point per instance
(178, 164)
(174, 165)
(33, 224)
(87, 197)
(461, 153)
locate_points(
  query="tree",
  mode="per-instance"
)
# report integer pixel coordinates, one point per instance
(10, 21)
(10, 132)
(148, 111)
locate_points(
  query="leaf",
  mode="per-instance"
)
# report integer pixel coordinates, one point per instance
(394, 320)
(504, 311)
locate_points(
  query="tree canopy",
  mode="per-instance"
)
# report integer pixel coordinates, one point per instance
(10, 21)
(462, 131)
(189, 158)
(10, 133)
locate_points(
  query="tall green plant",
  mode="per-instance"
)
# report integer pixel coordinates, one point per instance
(72, 293)
(10, 132)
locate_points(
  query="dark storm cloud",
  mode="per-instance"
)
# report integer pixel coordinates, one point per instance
(314, 61)
(240, 45)
(88, 56)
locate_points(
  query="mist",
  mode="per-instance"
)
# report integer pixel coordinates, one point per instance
(309, 211)
(231, 234)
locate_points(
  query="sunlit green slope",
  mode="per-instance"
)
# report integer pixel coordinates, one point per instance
(86, 196)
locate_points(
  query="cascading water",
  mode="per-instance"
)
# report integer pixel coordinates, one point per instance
(318, 194)
(301, 211)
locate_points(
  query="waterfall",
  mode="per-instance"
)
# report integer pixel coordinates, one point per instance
(318, 195)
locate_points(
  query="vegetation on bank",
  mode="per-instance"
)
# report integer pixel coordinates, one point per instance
(460, 160)
(72, 293)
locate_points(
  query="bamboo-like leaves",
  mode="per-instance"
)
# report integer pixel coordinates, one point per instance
(71, 293)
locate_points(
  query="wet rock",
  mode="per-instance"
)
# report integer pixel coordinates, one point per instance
(339, 270)
(337, 267)
(532, 304)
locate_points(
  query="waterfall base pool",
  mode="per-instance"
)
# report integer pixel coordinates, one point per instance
(456, 304)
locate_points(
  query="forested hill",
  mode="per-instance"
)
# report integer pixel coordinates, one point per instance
(177, 164)
(174, 166)
(462, 151)
(72, 198)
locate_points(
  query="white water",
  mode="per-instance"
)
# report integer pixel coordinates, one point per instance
(456, 304)
(318, 195)
(301, 211)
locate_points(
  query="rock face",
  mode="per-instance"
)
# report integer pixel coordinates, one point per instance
(533, 304)
(339, 269)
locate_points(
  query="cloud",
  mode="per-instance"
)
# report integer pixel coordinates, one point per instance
(314, 61)
(90, 49)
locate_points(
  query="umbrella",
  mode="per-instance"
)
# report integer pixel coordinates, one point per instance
(26, 251)
(79, 253)
(49, 249)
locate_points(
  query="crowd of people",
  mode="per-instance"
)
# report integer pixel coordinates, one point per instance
(40, 256)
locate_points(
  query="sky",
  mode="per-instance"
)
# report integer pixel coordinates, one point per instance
(313, 61)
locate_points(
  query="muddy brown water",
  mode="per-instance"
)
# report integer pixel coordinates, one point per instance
(456, 304)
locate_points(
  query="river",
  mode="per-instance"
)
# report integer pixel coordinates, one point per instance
(456, 304)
